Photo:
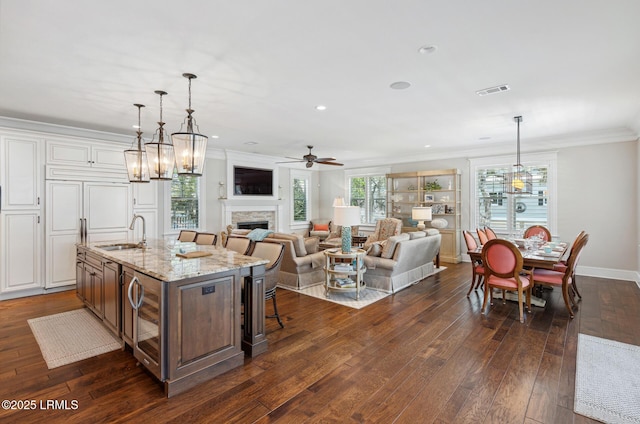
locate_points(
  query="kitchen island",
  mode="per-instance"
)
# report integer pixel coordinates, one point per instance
(181, 316)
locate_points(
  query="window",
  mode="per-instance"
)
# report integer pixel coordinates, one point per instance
(185, 202)
(508, 213)
(300, 197)
(370, 193)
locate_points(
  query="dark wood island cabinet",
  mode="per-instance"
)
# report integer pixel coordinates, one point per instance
(181, 317)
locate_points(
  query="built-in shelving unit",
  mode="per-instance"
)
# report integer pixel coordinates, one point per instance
(439, 189)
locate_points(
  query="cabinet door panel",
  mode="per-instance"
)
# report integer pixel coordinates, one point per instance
(107, 206)
(60, 153)
(108, 157)
(21, 176)
(61, 257)
(21, 250)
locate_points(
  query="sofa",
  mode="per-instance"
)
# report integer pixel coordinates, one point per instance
(302, 264)
(401, 260)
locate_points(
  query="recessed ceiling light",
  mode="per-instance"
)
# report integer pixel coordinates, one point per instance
(321, 107)
(400, 85)
(427, 49)
(136, 126)
(250, 143)
(427, 145)
(215, 136)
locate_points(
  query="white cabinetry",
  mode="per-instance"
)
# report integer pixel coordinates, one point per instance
(82, 160)
(82, 212)
(145, 203)
(21, 230)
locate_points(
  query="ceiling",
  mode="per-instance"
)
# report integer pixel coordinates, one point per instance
(573, 68)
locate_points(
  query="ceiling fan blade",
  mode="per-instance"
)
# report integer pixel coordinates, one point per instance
(323, 159)
(330, 163)
(292, 161)
(289, 157)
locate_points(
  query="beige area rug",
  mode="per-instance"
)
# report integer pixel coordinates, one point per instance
(71, 336)
(367, 296)
(607, 380)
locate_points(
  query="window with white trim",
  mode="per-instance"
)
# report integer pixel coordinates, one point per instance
(185, 202)
(509, 214)
(370, 193)
(300, 204)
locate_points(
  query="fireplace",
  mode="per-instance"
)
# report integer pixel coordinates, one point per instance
(250, 225)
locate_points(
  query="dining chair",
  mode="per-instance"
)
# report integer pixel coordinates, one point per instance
(206, 238)
(482, 236)
(187, 235)
(241, 245)
(476, 265)
(548, 277)
(562, 265)
(490, 233)
(274, 252)
(503, 270)
(538, 230)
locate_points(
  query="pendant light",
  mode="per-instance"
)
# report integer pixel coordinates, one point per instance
(519, 181)
(190, 147)
(162, 158)
(136, 159)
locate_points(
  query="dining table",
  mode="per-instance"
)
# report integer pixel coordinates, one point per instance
(531, 259)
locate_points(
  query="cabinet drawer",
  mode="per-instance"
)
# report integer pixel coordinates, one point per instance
(94, 261)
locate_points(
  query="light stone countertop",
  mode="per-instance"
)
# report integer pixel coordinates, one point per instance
(158, 260)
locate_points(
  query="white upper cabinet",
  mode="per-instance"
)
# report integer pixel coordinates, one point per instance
(20, 178)
(92, 155)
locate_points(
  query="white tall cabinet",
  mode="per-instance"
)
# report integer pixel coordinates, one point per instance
(81, 211)
(21, 226)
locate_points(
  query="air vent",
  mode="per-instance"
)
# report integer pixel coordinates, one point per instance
(493, 90)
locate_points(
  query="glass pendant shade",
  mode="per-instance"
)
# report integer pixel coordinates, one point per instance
(190, 146)
(136, 158)
(519, 181)
(161, 155)
(190, 149)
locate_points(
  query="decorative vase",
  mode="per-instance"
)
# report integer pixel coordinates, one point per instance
(346, 239)
(439, 223)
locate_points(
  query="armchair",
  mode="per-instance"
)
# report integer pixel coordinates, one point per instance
(320, 228)
(385, 228)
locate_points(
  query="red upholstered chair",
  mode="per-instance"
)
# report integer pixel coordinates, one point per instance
(490, 233)
(502, 263)
(476, 266)
(482, 236)
(547, 277)
(538, 229)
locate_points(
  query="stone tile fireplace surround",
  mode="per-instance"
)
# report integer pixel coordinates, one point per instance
(233, 213)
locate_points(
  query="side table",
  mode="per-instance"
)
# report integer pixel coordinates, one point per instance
(344, 271)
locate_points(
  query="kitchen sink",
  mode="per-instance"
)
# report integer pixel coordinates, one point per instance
(119, 246)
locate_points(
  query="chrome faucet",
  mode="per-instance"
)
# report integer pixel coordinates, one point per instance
(143, 243)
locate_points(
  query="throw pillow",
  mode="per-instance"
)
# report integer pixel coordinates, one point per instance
(375, 249)
(311, 244)
(258, 234)
(320, 227)
(392, 242)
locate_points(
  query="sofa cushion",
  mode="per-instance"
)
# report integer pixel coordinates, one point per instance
(311, 244)
(432, 232)
(296, 239)
(416, 234)
(390, 245)
(375, 249)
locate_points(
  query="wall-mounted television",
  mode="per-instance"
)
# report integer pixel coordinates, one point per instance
(252, 181)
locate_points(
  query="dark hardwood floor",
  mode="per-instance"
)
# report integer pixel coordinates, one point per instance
(425, 354)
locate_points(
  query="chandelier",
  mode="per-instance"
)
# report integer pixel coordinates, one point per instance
(519, 181)
(190, 147)
(161, 155)
(136, 159)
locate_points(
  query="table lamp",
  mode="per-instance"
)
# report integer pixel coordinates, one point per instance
(421, 214)
(346, 216)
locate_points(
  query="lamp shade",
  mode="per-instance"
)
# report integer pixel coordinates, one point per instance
(338, 201)
(421, 214)
(346, 216)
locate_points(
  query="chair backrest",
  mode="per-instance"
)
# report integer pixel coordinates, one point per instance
(538, 230)
(386, 228)
(274, 253)
(187, 235)
(482, 236)
(469, 240)
(490, 233)
(238, 244)
(576, 251)
(501, 258)
(206, 238)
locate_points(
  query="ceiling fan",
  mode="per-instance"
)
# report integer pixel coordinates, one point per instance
(311, 159)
